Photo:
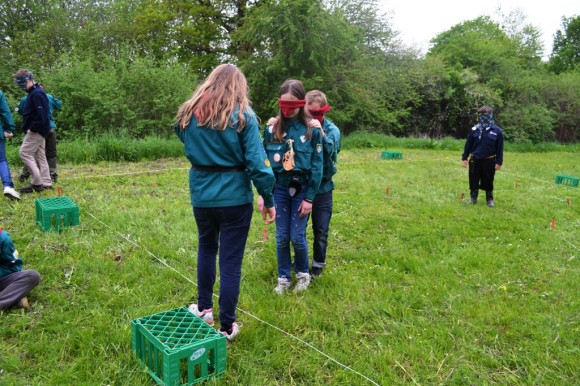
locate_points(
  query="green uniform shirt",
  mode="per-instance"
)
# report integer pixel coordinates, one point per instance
(208, 148)
(10, 260)
(331, 144)
(6, 121)
(307, 155)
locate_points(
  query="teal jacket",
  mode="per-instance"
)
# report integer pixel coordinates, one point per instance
(331, 144)
(6, 121)
(209, 149)
(308, 157)
(53, 104)
(10, 260)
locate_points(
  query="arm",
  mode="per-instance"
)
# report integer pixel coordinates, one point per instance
(316, 165)
(7, 121)
(180, 133)
(499, 151)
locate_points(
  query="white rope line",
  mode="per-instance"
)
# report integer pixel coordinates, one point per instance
(243, 311)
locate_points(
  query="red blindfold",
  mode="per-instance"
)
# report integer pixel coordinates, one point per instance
(288, 107)
(318, 114)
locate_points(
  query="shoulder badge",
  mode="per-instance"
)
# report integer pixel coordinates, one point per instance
(319, 148)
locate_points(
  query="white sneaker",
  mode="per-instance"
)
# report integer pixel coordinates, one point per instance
(283, 285)
(205, 315)
(11, 193)
(302, 281)
(235, 331)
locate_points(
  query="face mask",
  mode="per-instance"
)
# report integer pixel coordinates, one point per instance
(21, 82)
(288, 107)
(319, 113)
(486, 119)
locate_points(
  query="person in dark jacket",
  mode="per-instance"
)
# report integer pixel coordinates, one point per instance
(50, 147)
(6, 129)
(222, 141)
(484, 147)
(317, 106)
(36, 126)
(15, 284)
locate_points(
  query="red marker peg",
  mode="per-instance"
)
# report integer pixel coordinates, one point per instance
(516, 184)
(568, 201)
(59, 191)
(388, 190)
(553, 224)
(154, 184)
(265, 236)
(462, 196)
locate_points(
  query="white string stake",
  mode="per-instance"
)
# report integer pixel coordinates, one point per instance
(243, 311)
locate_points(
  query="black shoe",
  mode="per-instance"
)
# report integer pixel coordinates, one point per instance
(54, 177)
(316, 271)
(22, 178)
(31, 188)
(490, 203)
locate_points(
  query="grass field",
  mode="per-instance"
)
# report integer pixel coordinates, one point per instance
(421, 287)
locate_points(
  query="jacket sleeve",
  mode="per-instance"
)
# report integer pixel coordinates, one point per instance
(180, 133)
(7, 123)
(316, 165)
(467, 148)
(257, 161)
(55, 103)
(499, 148)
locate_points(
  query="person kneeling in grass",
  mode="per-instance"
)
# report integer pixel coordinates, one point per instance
(15, 284)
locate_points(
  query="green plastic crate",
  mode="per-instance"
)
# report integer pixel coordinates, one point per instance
(391, 155)
(56, 213)
(567, 180)
(178, 348)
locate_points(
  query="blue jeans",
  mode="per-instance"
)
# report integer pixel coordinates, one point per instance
(225, 228)
(4, 168)
(290, 228)
(321, 215)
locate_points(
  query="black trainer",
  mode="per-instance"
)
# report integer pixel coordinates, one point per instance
(316, 271)
(31, 188)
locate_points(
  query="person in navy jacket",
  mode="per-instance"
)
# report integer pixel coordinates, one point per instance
(484, 147)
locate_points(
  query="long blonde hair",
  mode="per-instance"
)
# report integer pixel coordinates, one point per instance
(214, 101)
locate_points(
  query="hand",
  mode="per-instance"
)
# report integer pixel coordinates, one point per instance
(261, 206)
(8, 134)
(272, 121)
(497, 167)
(464, 163)
(305, 208)
(271, 212)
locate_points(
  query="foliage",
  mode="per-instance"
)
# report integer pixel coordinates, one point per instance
(566, 51)
(431, 290)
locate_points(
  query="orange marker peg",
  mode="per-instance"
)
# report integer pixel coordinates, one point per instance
(388, 190)
(265, 236)
(462, 196)
(59, 191)
(568, 201)
(553, 224)
(516, 184)
(154, 184)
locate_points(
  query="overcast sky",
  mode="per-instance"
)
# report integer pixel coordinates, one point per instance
(418, 21)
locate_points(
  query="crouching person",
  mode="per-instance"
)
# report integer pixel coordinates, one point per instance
(15, 284)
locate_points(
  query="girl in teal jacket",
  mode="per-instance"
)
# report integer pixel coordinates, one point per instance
(222, 141)
(295, 151)
(6, 129)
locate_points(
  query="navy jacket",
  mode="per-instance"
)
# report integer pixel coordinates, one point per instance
(36, 112)
(483, 142)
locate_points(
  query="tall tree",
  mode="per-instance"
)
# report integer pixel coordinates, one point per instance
(566, 50)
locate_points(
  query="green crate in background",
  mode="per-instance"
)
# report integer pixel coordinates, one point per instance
(567, 180)
(387, 154)
(56, 213)
(178, 348)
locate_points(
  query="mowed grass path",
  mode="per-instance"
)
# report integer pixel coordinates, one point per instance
(421, 288)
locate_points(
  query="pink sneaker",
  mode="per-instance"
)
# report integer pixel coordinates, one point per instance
(205, 315)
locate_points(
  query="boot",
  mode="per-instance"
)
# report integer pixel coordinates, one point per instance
(473, 199)
(489, 198)
(52, 169)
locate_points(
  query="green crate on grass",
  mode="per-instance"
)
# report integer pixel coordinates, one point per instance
(387, 154)
(56, 213)
(567, 180)
(178, 348)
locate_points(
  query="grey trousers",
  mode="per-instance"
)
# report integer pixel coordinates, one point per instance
(15, 286)
(32, 153)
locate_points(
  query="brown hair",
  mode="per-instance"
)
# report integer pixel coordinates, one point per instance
(214, 101)
(294, 87)
(20, 73)
(485, 110)
(316, 96)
